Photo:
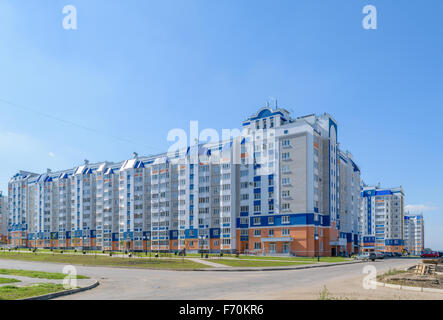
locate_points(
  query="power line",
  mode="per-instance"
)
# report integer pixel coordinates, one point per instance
(71, 123)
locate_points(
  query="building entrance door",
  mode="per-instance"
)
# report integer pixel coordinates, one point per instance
(272, 248)
(286, 247)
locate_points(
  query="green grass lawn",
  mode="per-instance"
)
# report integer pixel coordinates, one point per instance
(8, 280)
(105, 260)
(10, 292)
(257, 263)
(293, 259)
(37, 274)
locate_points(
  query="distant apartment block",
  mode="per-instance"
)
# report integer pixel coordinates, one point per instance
(3, 218)
(349, 201)
(414, 233)
(382, 219)
(282, 187)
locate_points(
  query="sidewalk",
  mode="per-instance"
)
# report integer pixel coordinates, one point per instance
(209, 263)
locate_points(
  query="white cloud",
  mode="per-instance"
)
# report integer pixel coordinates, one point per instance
(51, 154)
(420, 208)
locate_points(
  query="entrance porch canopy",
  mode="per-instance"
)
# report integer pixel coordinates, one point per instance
(281, 239)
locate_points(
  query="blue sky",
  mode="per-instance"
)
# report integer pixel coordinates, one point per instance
(135, 69)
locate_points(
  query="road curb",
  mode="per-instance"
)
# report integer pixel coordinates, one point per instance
(63, 293)
(232, 269)
(408, 288)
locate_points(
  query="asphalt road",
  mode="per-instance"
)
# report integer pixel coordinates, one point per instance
(343, 282)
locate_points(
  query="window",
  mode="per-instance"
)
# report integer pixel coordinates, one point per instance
(285, 219)
(256, 221)
(285, 156)
(271, 232)
(285, 232)
(257, 245)
(286, 143)
(285, 206)
(270, 220)
(285, 181)
(257, 233)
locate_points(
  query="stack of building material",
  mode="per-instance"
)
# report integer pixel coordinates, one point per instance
(425, 269)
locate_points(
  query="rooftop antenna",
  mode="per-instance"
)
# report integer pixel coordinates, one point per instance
(135, 155)
(48, 170)
(86, 161)
(276, 103)
(267, 104)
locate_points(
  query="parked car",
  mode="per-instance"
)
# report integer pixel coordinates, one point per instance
(430, 254)
(362, 256)
(366, 256)
(440, 254)
(379, 255)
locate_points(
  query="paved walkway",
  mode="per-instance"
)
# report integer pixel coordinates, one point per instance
(209, 263)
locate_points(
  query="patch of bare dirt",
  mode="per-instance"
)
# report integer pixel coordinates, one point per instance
(415, 280)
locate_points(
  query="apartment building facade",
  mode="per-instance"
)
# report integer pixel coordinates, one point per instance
(382, 219)
(414, 234)
(3, 218)
(349, 201)
(281, 187)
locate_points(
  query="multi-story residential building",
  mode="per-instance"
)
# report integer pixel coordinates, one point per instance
(414, 233)
(295, 206)
(281, 187)
(349, 201)
(382, 219)
(3, 218)
(18, 204)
